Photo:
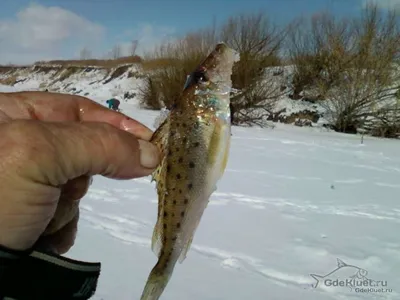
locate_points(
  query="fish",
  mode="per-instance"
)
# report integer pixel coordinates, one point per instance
(348, 275)
(194, 143)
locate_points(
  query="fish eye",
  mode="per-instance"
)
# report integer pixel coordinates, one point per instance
(196, 77)
(200, 76)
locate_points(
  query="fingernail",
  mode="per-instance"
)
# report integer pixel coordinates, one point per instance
(149, 156)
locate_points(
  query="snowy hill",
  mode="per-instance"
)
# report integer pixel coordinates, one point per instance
(124, 81)
(291, 203)
(90, 81)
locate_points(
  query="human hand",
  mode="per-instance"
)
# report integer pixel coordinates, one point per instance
(51, 144)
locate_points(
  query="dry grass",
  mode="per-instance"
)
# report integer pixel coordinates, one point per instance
(105, 63)
(152, 64)
(169, 64)
(11, 80)
(6, 69)
(117, 72)
(150, 95)
(69, 71)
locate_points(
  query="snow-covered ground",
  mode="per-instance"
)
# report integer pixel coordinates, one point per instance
(100, 84)
(291, 203)
(95, 83)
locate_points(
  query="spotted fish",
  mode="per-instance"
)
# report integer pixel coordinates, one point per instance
(194, 142)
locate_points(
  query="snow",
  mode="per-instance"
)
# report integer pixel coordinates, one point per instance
(292, 201)
(93, 82)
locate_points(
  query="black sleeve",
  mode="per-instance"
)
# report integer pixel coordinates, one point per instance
(41, 275)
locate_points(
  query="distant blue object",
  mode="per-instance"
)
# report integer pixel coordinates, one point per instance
(113, 104)
(188, 78)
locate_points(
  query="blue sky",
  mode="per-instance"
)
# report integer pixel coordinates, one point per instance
(100, 24)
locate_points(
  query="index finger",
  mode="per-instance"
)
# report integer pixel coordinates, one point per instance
(55, 107)
(92, 111)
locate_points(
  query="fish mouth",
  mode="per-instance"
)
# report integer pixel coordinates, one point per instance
(216, 69)
(219, 63)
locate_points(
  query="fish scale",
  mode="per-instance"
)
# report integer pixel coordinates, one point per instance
(194, 142)
(184, 173)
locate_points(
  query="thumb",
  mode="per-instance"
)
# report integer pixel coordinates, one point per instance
(66, 150)
(99, 148)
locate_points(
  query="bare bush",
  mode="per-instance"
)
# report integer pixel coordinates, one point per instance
(349, 63)
(150, 95)
(258, 42)
(377, 39)
(356, 98)
(256, 105)
(387, 121)
(366, 89)
(319, 49)
(178, 59)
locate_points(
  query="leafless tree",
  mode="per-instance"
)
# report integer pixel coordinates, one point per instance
(134, 45)
(318, 49)
(85, 54)
(179, 58)
(258, 42)
(116, 52)
(364, 95)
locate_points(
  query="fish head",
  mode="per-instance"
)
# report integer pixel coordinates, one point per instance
(217, 67)
(210, 84)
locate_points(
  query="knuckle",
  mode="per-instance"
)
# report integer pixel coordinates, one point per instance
(31, 136)
(110, 135)
(111, 138)
(26, 147)
(19, 134)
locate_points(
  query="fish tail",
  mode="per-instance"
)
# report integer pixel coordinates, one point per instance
(156, 283)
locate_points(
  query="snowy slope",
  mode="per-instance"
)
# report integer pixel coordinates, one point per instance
(99, 83)
(93, 82)
(292, 202)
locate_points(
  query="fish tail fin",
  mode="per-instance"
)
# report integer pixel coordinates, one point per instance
(156, 283)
